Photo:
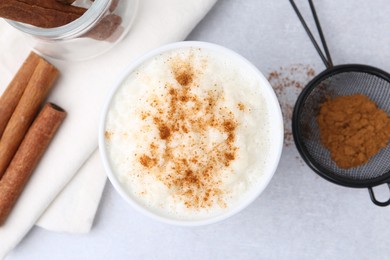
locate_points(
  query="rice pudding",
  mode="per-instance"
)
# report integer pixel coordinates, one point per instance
(187, 133)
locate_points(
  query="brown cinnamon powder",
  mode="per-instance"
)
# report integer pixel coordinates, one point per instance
(353, 129)
(288, 82)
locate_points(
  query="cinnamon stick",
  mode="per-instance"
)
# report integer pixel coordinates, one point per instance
(11, 96)
(40, 13)
(27, 157)
(105, 28)
(114, 5)
(36, 91)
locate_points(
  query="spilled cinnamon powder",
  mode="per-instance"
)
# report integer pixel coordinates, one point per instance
(288, 82)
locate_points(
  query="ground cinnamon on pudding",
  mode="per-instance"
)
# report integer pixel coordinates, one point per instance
(353, 129)
(192, 133)
(186, 162)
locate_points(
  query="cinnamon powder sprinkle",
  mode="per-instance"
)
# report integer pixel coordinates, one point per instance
(188, 162)
(183, 72)
(165, 132)
(147, 161)
(288, 82)
(107, 135)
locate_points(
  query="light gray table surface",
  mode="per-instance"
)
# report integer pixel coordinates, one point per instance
(299, 215)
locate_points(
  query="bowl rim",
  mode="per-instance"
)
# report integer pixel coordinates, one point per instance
(275, 115)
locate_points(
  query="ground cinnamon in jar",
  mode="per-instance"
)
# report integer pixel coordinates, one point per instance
(353, 128)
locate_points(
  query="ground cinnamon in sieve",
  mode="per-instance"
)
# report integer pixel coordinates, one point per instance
(353, 128)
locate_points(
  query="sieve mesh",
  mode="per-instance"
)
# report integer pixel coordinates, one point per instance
(306, 131)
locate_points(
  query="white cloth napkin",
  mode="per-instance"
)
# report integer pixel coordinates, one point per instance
(73, 211)
(81, 91)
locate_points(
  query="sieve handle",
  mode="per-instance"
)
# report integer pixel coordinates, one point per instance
(326, 60)
(373, 199)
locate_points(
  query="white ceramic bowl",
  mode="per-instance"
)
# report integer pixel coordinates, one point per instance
(276, 136)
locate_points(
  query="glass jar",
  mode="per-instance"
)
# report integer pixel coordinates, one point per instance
(103, 25)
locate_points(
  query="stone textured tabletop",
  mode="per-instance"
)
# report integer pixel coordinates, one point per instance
(299, 215)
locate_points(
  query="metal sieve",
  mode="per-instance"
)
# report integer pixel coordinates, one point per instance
(341, 80)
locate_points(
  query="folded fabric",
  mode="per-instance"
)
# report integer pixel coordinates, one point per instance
(73, 211)
(81, 91)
